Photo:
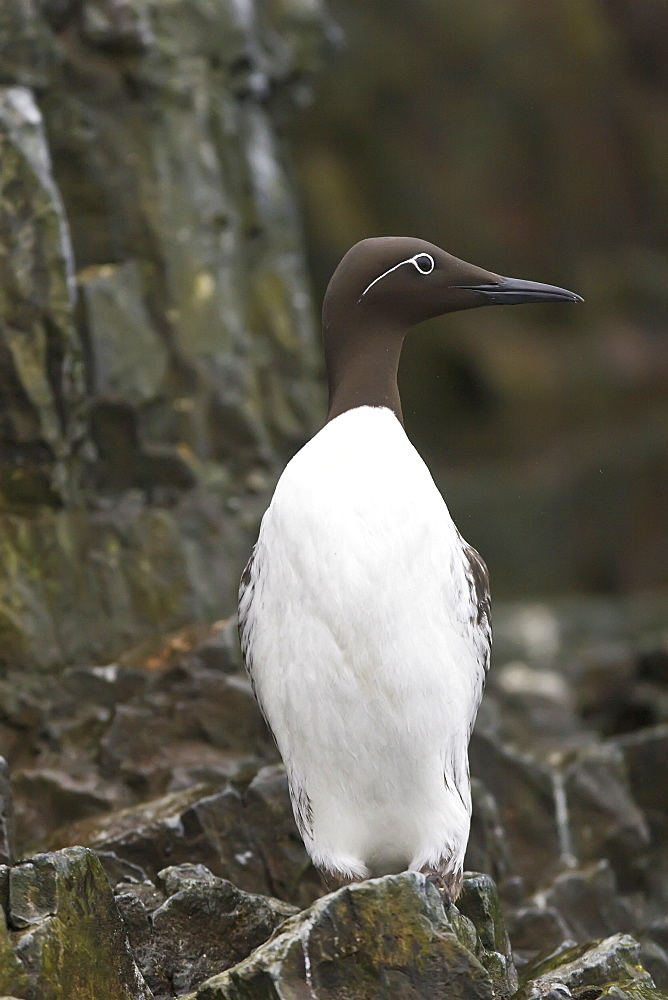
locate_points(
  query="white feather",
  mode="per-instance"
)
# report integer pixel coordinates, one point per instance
(358, 622)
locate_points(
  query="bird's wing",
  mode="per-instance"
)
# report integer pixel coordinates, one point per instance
(301, 804)
(477, 578)
(247, 586)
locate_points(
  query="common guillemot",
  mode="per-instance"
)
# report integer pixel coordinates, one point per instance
(364, 616)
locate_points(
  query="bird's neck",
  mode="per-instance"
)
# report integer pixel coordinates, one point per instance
(362, 366)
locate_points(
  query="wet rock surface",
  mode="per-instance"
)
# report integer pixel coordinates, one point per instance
(192, 925)
(155, 791)
(388, 937)
(158, 347)
(66, 933)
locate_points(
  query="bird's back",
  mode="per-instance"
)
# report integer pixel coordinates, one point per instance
(366, 637)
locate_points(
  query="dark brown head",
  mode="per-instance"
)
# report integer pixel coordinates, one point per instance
(407, 280)
(384, 286)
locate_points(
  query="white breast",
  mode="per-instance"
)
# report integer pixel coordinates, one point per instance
(367, 650)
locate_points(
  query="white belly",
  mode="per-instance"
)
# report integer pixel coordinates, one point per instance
(359, 637)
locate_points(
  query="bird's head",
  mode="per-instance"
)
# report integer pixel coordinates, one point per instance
(400, 281)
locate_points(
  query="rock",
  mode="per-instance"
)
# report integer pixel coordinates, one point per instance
(136, 916)
(172, 829)
(13, 975)
(177, 878)
(129, 357)
(632, 991)
(205, 926)
(524, 793)
(537, 706)
(653, 664)
(41, 354)
(605, 675)
(268, 815)
(535, 928)
(193, 725)
(117, 870)
(6, 815)
(136, 565)
(65, 904)
(103, 686)
(250, 840)
(597, 964)
(645, 755)
(50, 798)
(488, 848)
(385, 937)
(33, 893)
(589, 903)
(221, 650)
(479, 901)
(657, 930)
(603, 818)
(654, 959)
(26, 45)
(118, 27)
(151, 172)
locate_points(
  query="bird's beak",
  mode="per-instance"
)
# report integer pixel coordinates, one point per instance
(513, 291)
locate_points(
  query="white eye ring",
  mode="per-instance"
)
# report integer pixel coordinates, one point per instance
(410, 260)
(430, 262)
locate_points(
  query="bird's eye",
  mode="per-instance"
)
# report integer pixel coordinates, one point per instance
(424, 262)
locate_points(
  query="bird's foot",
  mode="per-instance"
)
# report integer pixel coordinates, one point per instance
(443, 889)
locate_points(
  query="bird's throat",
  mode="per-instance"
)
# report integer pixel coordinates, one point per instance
(362, 367)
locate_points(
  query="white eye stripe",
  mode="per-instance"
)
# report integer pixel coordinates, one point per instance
(414, 260)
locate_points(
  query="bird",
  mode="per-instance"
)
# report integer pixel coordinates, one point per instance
(364, 616)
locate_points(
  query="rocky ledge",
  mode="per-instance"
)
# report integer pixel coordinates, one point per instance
(149, 848)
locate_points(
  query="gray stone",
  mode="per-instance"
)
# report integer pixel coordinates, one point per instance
(479, 901)
(633, 991)
(33, 892)
(26, 44)
(42, 374)
(117, 25)
(385, 937)
(654, 959)
(487, 849)
(524, 793)
(221, 651)
(535, 928)
(275, 839)
(6, 815)
(589, 902)
(118, 870)
(176, 878)
(603, 818)
(52, 797)
(66, 903)
(646, 758)
(129, 360)
(252, 841)
(13, 976)
(205, 926)
(615, 959)
(104, 686)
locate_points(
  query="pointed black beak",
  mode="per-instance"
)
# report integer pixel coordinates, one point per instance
(513, 291)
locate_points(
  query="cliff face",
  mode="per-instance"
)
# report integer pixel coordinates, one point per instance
(158, 356)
